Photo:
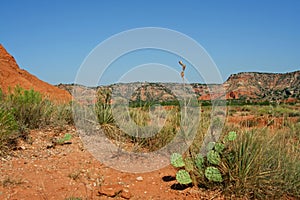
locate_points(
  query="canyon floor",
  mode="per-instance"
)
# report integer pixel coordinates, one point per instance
(37, 169)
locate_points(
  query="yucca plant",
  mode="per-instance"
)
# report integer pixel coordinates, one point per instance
(262, 166)
(103, 107)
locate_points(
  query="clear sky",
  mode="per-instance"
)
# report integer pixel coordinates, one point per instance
(51, 38)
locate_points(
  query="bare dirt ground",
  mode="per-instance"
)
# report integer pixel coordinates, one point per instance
(39, 169)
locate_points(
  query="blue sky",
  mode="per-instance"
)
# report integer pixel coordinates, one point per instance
(51, 39)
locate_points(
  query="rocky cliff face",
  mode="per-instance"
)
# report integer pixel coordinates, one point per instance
(11, 75)
(263, 86)
(248, 86)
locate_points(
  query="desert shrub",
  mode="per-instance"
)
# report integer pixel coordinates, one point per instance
(62, 115)
(29, 108)
(143, 125)
(8, 126)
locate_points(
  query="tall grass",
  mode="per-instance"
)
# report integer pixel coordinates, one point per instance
(261, 165)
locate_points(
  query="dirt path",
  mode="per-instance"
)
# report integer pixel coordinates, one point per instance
(39, 170)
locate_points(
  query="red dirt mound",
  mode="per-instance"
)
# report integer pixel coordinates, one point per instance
(11, 75)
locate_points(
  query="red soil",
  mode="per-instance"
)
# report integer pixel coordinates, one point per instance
(37, 170)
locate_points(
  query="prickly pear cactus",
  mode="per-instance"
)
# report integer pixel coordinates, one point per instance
(219, 147)
(183, 177)
(231, 136)
(189, 164)
(213, 157)
(213, 174)
(199, 161)
(177, 160)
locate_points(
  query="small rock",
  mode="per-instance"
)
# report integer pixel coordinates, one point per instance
(126, 194)
(22, 147)
(110, 190)
(139, 178)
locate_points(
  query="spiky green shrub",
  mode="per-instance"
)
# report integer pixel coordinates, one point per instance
(213, 174)
(183, 177)
(104, 113)
(260, 165)
(103, 107)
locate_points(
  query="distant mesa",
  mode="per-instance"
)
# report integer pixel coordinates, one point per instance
(246, 86)
(272, 87)
(11, 75)
(251, 87)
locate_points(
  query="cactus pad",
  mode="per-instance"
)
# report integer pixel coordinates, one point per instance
(213, 157)
(183, 177)
(219, 147)
(189, 164)
(231, 136)
(199, 161)
(177, 160)
(213, 174)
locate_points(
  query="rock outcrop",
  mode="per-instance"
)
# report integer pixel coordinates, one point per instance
(11, 76)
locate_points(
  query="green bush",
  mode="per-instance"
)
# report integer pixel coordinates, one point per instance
(62, 115)
(28, 107)
(8, 126)
(30, 110)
